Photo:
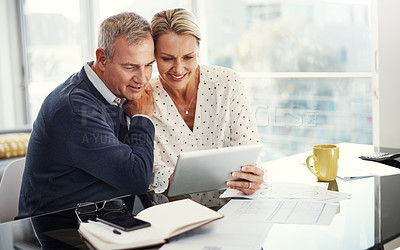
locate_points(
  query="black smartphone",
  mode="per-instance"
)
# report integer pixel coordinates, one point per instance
(123, 221)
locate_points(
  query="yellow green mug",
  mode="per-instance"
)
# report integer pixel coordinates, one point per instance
(325, 162)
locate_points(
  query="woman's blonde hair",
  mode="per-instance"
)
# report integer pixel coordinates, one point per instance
(180, 21)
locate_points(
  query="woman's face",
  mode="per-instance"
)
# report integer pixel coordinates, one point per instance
(177, 59)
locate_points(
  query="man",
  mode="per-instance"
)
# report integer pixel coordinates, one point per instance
(86, 146)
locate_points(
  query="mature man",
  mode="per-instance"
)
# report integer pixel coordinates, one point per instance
(88, 143)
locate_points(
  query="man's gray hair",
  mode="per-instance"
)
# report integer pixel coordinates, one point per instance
(131, 25)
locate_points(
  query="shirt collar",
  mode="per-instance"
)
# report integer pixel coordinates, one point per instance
(100, 86)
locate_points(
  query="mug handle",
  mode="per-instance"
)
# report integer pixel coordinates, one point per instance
(308, 164)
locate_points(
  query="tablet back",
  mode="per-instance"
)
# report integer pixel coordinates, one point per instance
(206, 170)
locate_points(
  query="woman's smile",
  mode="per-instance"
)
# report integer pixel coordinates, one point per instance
(177, 77)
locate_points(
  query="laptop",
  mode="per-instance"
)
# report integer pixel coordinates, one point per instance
(206, 170)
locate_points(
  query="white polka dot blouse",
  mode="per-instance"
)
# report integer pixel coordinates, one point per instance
(222, 119)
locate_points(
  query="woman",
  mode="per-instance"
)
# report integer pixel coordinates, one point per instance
(196, 106)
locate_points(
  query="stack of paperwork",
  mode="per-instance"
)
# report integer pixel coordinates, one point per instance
(291, 203)
(251, 217)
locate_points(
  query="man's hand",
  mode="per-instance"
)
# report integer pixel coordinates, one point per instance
(143, 105)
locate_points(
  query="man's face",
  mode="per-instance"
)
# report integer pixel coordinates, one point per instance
(130, 69)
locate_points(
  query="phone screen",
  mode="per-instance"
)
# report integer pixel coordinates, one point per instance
(123, 221)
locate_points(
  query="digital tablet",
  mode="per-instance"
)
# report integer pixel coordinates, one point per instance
(206, 170)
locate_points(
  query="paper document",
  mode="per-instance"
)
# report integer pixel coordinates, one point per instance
(333, 196)
(223, 234)
(248, 233)
(282, 211)
(353, 168)
(246, 222)
(282, 190)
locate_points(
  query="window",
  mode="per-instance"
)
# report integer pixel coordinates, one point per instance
(58, 38)
(306, 64)
(53, 45)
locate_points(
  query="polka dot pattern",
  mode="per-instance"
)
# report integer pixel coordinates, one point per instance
(222, 119)
(209, 199)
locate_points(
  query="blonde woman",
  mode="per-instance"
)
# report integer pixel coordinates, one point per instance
(196, 106)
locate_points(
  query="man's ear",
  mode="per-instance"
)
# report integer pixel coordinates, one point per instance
(101, 58)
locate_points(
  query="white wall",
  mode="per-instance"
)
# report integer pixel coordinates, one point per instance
(386, 112)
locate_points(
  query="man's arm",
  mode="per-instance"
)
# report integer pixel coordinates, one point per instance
(97, 150)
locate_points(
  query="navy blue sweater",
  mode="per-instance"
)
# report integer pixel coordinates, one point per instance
(80, 151)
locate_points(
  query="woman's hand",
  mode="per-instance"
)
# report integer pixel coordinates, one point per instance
(143, 105)
(249, 180)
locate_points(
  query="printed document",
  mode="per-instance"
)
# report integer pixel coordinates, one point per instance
(354, 168)
(226, 233)
(252, 220)
(283, 190)
(284, 211)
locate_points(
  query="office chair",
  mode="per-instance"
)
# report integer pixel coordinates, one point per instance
(10, 186)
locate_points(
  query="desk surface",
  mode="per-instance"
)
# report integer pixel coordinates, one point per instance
(368, 220)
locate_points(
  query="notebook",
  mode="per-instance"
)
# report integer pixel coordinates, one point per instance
(206, 170)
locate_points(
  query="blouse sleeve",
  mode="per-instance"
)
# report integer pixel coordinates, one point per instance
(161, 173)
(242, 128)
